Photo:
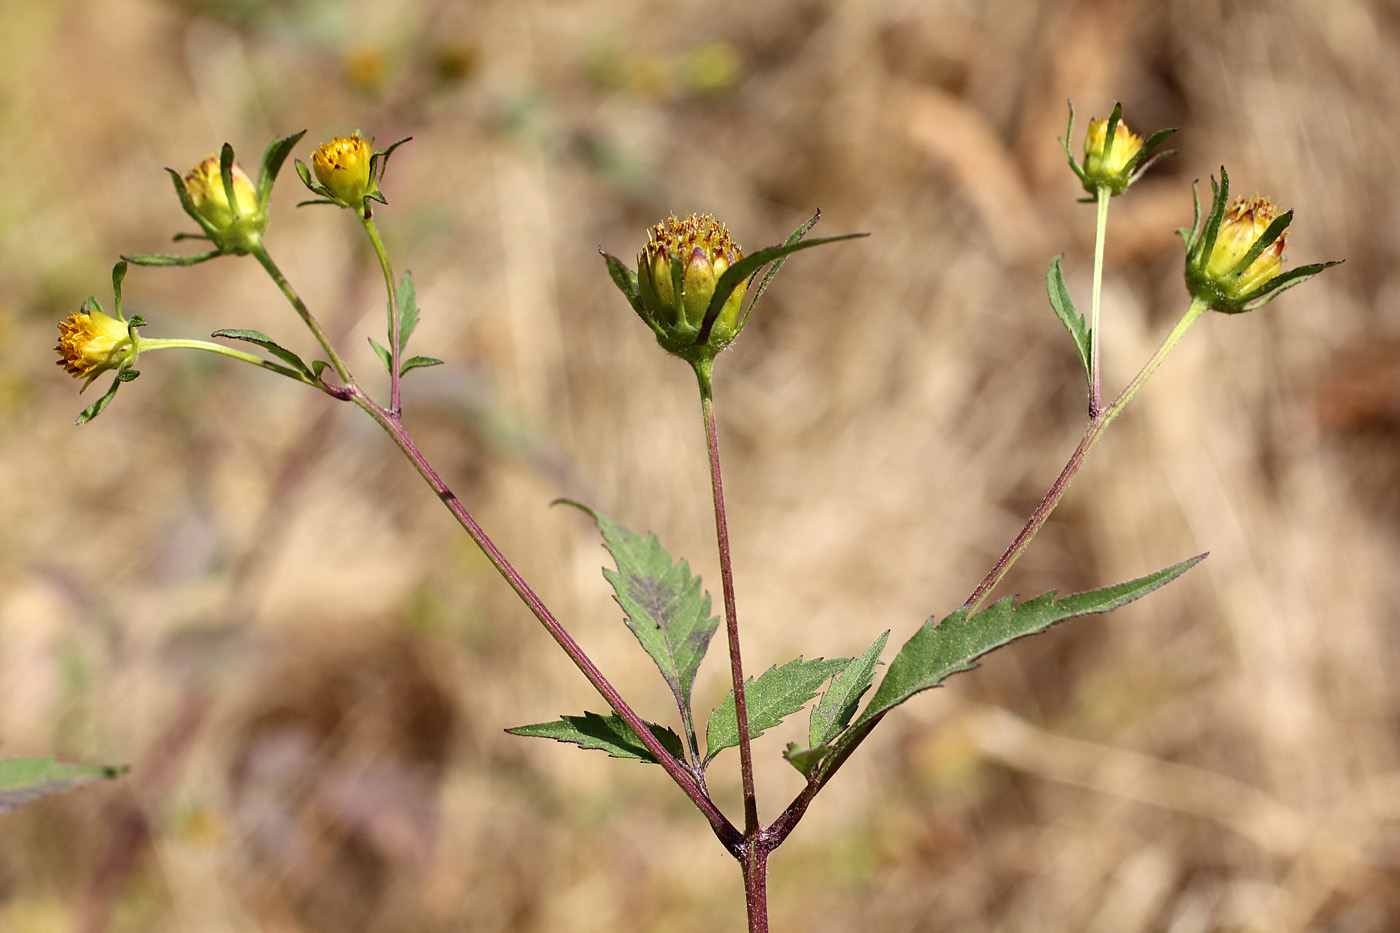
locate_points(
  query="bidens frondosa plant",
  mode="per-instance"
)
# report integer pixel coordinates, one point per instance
(693, 287)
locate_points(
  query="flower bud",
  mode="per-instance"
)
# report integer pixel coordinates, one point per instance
(90, 343)
(1114, 156)
(1234, 259)
(705, 250)
(344, 166)
(1109, 167)
(234, 227)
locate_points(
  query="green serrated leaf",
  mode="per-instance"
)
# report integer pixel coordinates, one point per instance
(408, 311)
(776, 694)
(383, 354)
(806, 760)
(839, 703)
(666, 606)
(1069, 316)
(605, 733)
(26, 779)
(940, 649)
(267, 343)
(418, 362)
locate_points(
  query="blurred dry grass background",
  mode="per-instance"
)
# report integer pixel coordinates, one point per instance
(241, 590)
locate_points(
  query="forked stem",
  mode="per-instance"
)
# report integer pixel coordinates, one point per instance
(391, 422)
(784, 824)
(307, 317)
(1091, 437)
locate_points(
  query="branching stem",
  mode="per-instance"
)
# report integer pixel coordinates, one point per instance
(784, 825)
(391, 422)
(307, 317)
(1091, 437)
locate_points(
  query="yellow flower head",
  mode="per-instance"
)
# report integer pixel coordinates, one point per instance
(705, 250)
(345, 167)
(1243, 224)
(205, 187)
(1114, 162)
(90, 343)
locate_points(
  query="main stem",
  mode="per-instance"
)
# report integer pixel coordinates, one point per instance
(753, 856)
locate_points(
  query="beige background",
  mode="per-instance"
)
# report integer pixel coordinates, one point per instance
(237, 587)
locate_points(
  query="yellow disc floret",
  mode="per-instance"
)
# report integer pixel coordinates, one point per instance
(706, 251)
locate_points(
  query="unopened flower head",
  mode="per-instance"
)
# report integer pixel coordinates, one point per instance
(345, 167)
(706, 250)
(1234, 260)
(235, 226)
(90, 343)
(1114, 156)
(1108, 161)
(1241, 227)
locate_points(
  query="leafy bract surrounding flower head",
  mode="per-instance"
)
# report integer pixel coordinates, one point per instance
(705, 251)
(348, 170)
(1234, 261)
(691, 280)
(91, 343)
(1114, 157)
